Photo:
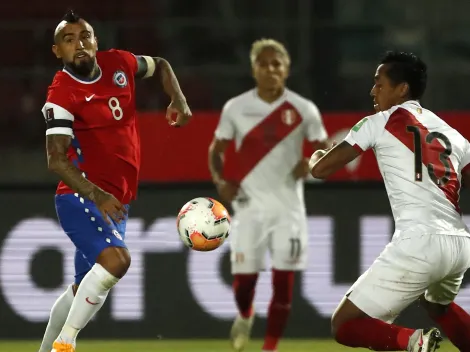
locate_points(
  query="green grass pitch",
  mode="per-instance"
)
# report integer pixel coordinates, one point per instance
(190, 346)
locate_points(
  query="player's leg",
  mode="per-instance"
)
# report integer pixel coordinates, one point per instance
(279, 307)
(248, 247)
(57, 318)
(352, 327)
(93, 291)
(244, 291)
(104, 248)
(61, 307)
(397, 278)
(453, 320)
(439, 298)
(289, 245)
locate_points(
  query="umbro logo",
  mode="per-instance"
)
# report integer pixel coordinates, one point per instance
(89, 98)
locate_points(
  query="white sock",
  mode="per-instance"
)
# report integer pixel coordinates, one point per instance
(57, 318)
(414, 338)
(90, 297)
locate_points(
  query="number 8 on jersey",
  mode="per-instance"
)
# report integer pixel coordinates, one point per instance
(115, 107)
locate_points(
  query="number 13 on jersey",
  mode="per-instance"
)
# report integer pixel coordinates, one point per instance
(433, 154)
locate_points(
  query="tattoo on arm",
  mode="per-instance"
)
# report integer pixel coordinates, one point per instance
(57, 161)
(163, 68)
(168, 78)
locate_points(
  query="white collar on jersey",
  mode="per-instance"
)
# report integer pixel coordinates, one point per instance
(82, 81)
(412, 102)
(283, 96)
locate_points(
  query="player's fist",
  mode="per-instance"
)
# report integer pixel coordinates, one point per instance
(301, 170)
(315, 157)
(180, 107)
(227, 190)
(109, 206)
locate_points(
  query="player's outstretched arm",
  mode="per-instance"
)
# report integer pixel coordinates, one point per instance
(57, 146)
(324, 163)
(302, 169)
(146, 67)
(226, 190)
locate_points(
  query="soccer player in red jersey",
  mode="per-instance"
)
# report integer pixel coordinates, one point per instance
(93, 146)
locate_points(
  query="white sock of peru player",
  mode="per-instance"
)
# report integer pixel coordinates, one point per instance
(57, 318)
(90, 297)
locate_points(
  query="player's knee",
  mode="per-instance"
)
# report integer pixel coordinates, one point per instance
(434, 310)
(337, 319)
(335, 324)
(116, 260)
(345, 312)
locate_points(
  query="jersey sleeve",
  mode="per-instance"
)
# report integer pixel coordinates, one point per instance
(315, 129)
(365, 133)
(130, 59)
(225, 129)
(465, 164)
(58, 112)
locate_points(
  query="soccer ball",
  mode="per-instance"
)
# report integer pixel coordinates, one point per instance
(203, 224)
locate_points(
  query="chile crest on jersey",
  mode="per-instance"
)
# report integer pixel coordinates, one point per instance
(120, 79)
(108, 102)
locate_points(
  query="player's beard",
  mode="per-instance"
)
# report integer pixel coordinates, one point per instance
(84, 68)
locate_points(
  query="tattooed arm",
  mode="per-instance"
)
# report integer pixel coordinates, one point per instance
(146, 67)
(57, 146)
(168, 78)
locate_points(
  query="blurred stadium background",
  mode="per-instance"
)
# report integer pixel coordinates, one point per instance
(171, 293)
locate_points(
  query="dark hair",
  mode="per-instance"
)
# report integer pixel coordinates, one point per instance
(71, 16)
(409, 68)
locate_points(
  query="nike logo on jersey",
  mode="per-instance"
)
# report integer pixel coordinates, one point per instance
(89, 98)
(88, 301)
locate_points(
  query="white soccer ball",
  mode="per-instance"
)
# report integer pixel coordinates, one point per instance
(203, 224)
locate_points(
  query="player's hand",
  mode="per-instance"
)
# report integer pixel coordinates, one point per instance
(179, 107)
(333, 144)
(109, 206)
(315, 157)
(301, 170)
(227, 190)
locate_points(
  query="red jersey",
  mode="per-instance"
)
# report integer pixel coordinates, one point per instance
(100, 116)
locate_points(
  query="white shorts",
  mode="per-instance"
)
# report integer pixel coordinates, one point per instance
(409, 266)
(254, 234)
